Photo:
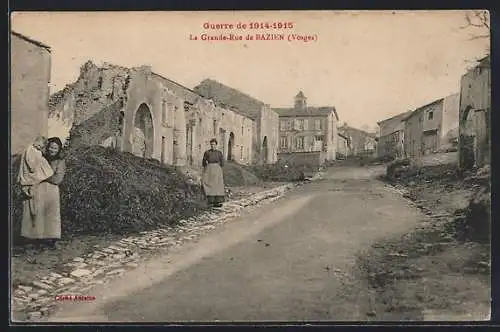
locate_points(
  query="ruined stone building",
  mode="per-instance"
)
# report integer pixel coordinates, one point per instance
(258, 115)
(430, 128)
(391, 140)
(307, 131)
(29, 90)
(475, 116)
(359, 142)
(138, 111)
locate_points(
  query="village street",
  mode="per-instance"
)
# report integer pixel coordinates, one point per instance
(210, 182)
(290, 260)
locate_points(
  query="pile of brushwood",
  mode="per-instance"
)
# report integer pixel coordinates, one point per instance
(107, 191)
(236, 175)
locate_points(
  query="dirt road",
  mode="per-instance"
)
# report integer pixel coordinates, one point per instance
(291, 260)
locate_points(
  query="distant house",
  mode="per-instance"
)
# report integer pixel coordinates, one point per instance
(429, 128)
(308, 131)
(360, 142)
(475, 116)
(392, 136)
(29, 90)
(342, 147)
(264, 139)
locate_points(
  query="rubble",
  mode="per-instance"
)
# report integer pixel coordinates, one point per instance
(236, 175)
(80, 273)
(442, 260)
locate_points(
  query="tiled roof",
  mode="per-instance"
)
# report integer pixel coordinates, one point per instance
(219, 92)
(28, 39)
(484, 62)
(417, 110)
(486, 59)
(309, 111)
(398, 117)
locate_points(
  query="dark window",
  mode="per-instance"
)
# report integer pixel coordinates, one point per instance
(430, 116)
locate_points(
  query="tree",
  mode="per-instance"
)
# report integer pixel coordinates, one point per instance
(477, 22)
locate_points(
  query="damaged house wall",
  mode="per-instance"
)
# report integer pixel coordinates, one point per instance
(153, 119)
(138, 111)
(474, 116)
(233, 131)
(94, 90)
(264, 133)
(120, 107)
(205, 119)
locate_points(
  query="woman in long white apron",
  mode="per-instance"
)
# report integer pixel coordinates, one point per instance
(212, 177)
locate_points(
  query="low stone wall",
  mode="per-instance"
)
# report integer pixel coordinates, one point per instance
(301, 158)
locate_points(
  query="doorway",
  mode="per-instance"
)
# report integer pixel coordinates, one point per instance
(230, 146)
(143, 135)
(265, 151)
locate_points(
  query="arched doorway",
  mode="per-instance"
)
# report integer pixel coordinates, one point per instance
(143, 134)
(265, 151)
(230, 146)
(467, 139)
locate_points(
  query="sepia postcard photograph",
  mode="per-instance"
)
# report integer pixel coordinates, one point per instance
(216, 167)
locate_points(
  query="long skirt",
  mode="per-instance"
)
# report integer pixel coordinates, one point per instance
(213, 184)
(46, 222)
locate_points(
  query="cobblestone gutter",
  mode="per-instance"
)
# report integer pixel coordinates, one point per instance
(36, 298)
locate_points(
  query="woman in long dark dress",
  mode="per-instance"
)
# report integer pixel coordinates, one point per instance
(212, 177)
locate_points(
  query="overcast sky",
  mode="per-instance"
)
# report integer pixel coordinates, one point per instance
(369, 65)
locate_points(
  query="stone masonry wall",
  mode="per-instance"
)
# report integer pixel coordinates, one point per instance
(29, 92)
(98, 128)
(207, 120)
(95, 89)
